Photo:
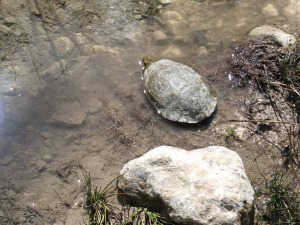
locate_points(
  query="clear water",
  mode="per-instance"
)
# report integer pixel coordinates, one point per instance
(39, 160)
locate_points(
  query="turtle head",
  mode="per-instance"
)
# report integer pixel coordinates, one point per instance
(146, 62)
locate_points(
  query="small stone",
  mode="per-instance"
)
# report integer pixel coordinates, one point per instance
(63, 46)
(270, 10)
(6, 160)
(68, 114)
(1, 213)
(21, 220)
(5, 29)
(54, 71)
(138, 17)
(93, 105)
(172, 51)
(40, 165)
(268, 32)
(172, 15)
(10, 20)
(81, 39)
(164, 2)
(11, 193)
(202, 51)
(47, 158)
(159, 37)
(46, 134)
(241, 133)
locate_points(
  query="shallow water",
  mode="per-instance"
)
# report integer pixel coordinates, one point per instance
(40, 157)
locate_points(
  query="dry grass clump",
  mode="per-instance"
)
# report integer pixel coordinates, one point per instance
(275, 72)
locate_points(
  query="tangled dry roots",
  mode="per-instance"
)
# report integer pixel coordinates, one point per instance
(256, 63)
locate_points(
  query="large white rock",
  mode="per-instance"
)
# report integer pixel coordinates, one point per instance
(206, 186)
(275, 34)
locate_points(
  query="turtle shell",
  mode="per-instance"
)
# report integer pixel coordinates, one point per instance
(178, 92)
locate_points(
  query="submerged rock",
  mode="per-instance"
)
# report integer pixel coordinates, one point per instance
(270, 10)
(206, 186)
(63, 46)
(268, 32)
(68, 114)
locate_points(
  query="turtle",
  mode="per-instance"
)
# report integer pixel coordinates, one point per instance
(177, 91)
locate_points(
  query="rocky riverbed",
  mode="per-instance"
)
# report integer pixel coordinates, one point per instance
(71, 95)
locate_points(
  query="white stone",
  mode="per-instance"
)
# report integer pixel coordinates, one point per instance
(275, 34)
(270, 10)
(63, 46)
(206, 186)
(242, 133)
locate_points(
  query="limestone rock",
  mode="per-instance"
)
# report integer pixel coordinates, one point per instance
(275, 34)
(68, 114)
(206, 186)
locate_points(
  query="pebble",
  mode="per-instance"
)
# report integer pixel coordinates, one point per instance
(47, 158)
(202, 51)
(63, 46)
(40, 165)
(5, 29)
(172, 51)
(270, 10)
(6, 160)
(81, 39)
(10, 20)
(159, 37)
(241, 133)
(46, 134)
(138, 17)
(172, 15)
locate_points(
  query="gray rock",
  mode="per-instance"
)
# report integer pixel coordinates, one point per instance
(47, 158)
(275, 34)
(63, 46)
(206, 186)
(6, 160)
(68, 114)
(54, 71)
